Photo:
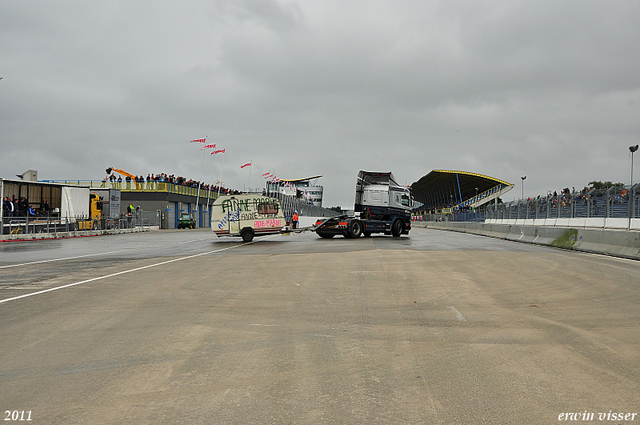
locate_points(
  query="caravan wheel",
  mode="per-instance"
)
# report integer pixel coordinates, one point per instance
(247, 235)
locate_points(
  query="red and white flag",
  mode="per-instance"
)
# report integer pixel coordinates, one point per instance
(198, 140)
(248, 164)
(267, 174)
(218, 151)
(209, 146)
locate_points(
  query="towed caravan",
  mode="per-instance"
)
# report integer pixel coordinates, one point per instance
(247, 215)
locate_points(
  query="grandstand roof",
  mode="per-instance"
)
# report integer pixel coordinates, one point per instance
(448, 188)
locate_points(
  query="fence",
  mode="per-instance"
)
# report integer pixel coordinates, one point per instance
(291, 204)
(150, 186)
(468, 217)
(17, 226)
(615, 207)
(615, 202)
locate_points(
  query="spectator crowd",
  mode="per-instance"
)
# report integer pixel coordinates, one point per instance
(152, 179)
(12, 207)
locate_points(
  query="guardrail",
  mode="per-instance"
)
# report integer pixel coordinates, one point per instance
(291, 204)
(616, 207)
(151, 186)
(474, 217)
(15, 227)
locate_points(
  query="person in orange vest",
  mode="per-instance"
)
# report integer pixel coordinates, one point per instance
(294, 219)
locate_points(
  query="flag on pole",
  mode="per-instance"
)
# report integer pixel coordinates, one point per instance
(209, 146)
(198, 140)
(218, 151)
(248, 164)
(267, 174)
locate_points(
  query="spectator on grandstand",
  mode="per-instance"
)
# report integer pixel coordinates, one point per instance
(23, 207)
(44, 207)
(7, 207)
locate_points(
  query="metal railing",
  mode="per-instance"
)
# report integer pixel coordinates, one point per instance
(598, 206)
(473, 217)
(28, 225)
(615, 202)
(151, 186)
(290, 204)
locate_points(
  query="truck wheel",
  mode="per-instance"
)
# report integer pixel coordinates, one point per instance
(247, 235)
(396, 229)
(355, 229)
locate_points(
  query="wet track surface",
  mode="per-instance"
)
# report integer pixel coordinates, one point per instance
(185, 242)
(437, 327)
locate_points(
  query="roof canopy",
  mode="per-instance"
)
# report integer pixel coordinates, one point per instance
(376, 177)
(449, 188)
(300, 180)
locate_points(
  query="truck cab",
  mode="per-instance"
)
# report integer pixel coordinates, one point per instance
(381, 206)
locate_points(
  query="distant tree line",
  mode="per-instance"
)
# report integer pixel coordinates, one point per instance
(598, 185)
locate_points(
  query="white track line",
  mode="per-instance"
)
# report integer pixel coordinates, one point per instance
(89, 255)
(57, 259)
(120, 273)
(457, 313)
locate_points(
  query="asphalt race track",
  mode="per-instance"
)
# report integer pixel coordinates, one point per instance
(179, 327)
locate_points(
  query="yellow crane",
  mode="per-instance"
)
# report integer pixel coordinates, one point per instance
(124, 173)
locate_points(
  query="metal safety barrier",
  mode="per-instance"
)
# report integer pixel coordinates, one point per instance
(291, 204)
(615, 202)
(17, 226)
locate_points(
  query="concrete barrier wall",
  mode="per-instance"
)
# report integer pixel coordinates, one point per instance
(592, 223)
(615, 242)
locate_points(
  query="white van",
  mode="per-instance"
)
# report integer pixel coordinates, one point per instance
(247, 216)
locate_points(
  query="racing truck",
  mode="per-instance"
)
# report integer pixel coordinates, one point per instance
(381, 206)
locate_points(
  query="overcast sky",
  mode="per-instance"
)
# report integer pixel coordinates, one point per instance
(549, 89)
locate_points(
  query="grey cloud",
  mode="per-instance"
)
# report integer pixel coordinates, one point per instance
(505, 88)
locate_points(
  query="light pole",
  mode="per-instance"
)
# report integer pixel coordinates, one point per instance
(523, 179)
(632, 149)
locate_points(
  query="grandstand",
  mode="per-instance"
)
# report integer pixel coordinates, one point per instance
(445, 191)
(614, 202)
